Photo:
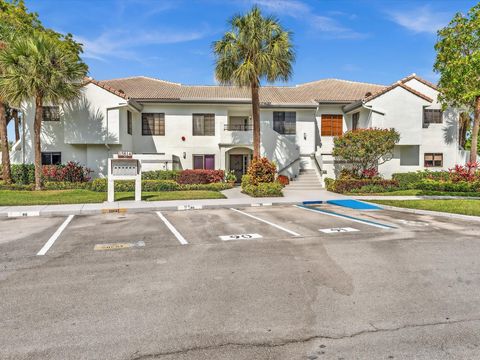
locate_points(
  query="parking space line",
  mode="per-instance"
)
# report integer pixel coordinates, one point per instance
(174, 231)
(55, 236)
(342, 216)
(267, 222)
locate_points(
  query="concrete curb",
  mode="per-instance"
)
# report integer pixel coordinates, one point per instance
(428, 212)
(117, 208)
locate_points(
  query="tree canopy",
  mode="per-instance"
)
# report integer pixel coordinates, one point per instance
(365, 149)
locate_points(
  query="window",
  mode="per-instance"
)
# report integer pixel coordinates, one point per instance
(433, 159)
(409, 154)
(432, 116)
(206, 162)
(153, 124)
(129, 122)
(203, 124)
(51, 158)
(355, 118)
(51, 113)
(332, 125)
(285, 122)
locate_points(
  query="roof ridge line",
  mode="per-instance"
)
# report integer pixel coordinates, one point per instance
(349, 81)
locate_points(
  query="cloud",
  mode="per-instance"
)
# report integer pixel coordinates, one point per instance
(122, 43)
(421, 19)
(329, 26)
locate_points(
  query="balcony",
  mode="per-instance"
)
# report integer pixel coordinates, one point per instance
(238, 127)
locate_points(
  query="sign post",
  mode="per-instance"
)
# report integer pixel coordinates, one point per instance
(124, 167)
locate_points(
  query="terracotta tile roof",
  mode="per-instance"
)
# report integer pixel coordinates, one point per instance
(393, 86)
(120, 93)
(418, 78)
(327, 90)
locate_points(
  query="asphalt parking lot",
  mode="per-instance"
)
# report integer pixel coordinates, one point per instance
(282, 282)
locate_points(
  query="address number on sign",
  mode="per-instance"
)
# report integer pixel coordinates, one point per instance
(337, 230)
(240, 237)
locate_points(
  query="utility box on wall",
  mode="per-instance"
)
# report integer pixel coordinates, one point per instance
(123, 167)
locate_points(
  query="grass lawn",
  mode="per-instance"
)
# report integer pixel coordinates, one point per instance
(454, 206)
(413, 192)
(51, 197)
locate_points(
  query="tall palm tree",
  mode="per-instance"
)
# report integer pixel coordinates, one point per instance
(40, 67)
(255, 48)
(6, 173)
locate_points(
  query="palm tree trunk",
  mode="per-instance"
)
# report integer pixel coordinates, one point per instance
(7, 176)
(256, 119)
(17, 125)
(37, 128)
(476, 123)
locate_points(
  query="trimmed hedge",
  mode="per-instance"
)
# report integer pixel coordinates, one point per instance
(100, 185)
(200, 176)
(351, 185)
(269, 189)
(18, 187)
(448, 186)
(161, 175)
(272, 189)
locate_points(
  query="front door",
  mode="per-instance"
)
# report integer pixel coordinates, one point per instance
(237, 166)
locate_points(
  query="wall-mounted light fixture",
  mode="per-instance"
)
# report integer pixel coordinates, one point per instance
(304, 136)
(184, 155)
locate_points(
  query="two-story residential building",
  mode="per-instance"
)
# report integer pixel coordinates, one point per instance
(169, 125)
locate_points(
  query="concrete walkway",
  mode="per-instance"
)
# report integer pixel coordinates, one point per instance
(290, 197)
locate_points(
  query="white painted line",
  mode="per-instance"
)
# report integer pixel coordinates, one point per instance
(337, 230)
(174, 231)
(55, 236)
(23, 213)
(267, 222)
(345, 217)
(240, 237)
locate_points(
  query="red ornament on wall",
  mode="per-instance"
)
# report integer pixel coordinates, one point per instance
(183, 138)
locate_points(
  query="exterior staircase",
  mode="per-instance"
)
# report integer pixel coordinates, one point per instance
(306, 180)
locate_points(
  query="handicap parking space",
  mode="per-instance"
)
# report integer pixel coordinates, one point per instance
(98, 234)
(213, 226)
(309, 222)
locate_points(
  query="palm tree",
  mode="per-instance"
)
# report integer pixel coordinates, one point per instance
(6, 173)
(40, 67)
(255, 48)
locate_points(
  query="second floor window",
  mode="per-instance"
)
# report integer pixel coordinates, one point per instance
(129, 122)
(285, 122)
(432, 116)
(153, 124)
(332, 125)
(51, 113)
(203, 124)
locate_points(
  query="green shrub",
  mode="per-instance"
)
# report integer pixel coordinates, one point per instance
(408, 180)
(212, 187)
(329, 183)
(348, 185)
(448, 186)
(372, 188)
(13, 186)
(23, 173)
(161, 175)
(65, 185)
(159, 185)
(271, 189)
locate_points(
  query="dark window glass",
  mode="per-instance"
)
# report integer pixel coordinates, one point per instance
(51, 158)
(51, 113)
(129, 122)
(355, 118)
(206, 162)
(203, 124)
(433, 159)
(332, 125)
(432, 116)
(285, 122)
(153, 124)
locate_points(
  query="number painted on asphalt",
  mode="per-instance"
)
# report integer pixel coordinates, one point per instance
(240, 237)
(337, 230)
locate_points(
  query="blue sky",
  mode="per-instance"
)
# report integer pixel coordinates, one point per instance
(373, 41)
